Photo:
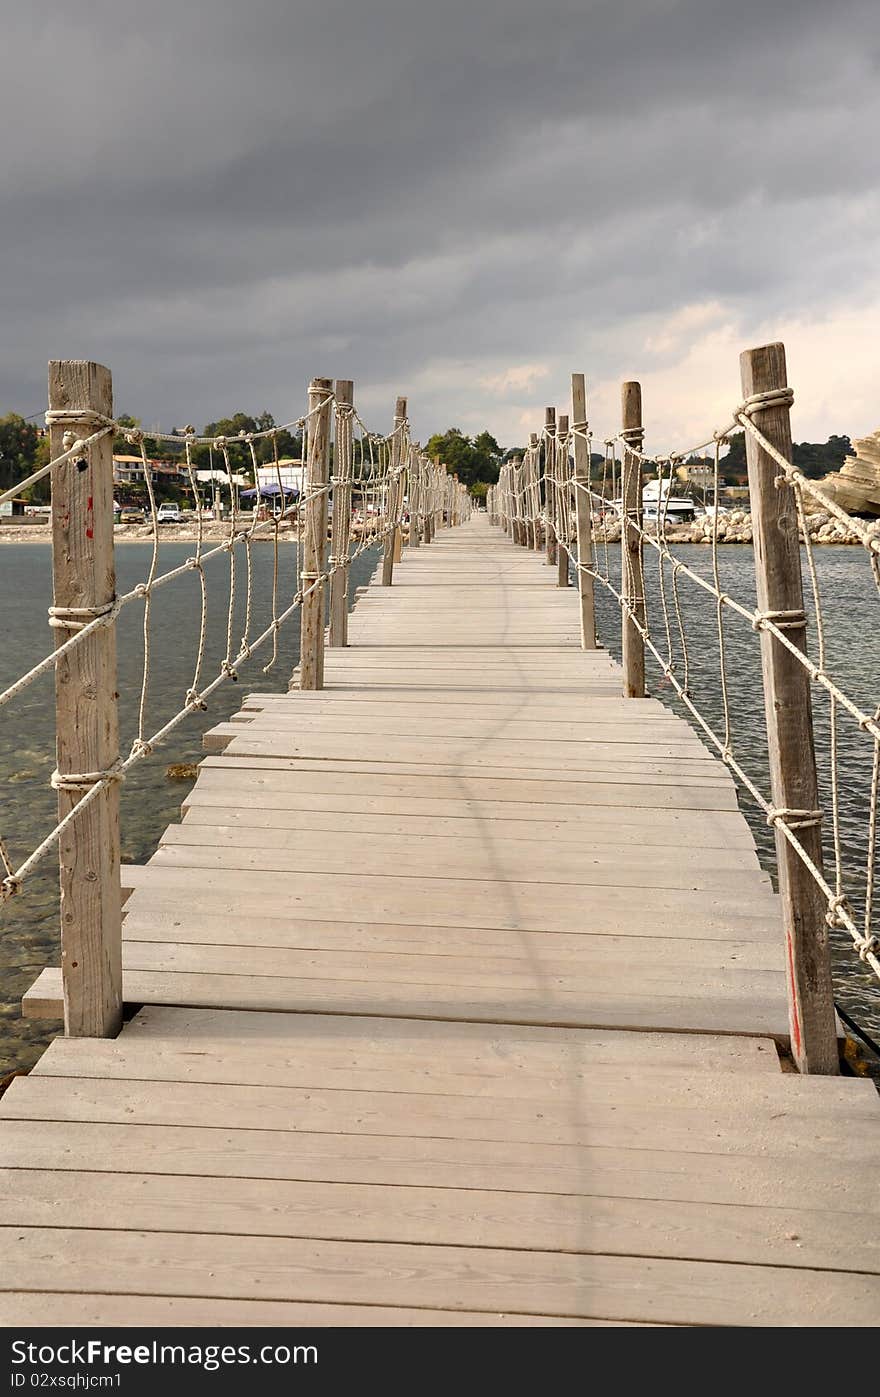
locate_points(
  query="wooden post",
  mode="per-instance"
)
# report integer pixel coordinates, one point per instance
(632, 573)
(415, 497)
(788, 710)
(562, 513)
(340, 527)
(86, 718)
(537, 532)
(311, 643)
(550, 482)
(395, 495)
(515, 477)
(438, 497)
(583, 511)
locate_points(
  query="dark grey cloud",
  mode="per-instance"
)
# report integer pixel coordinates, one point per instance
(223, 198)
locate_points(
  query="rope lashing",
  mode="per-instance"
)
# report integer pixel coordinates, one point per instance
(75, 618)
(82, 780)
(794, 620)
(760, 402)
(793, 818)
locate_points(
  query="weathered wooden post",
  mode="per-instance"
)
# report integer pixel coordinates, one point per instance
(562, 498)
(439, 471)
(632, 571)
(516, 511)
(788, 709)
(550, 483)
(415, 497)
(340, 527)
(537, 531)
(394, 495)
(583, 511)
(314, 550)
(428, 521)
(86, 717)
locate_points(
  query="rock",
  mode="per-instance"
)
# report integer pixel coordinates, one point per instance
(856, 486)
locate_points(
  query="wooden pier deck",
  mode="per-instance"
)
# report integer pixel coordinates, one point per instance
(462, 989)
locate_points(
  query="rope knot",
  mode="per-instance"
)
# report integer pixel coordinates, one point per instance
(836, 907)
(140, 748)
(867, 946)
(228, 669)
(134, 437)
(194, 700)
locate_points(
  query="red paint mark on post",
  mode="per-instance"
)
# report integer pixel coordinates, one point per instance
(90, 532)
(795, 1016)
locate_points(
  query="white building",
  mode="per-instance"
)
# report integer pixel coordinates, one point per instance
(291, 471)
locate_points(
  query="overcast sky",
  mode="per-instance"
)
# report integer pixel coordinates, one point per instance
(460, 200)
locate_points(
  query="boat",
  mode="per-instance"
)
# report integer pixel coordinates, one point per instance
(657, 499)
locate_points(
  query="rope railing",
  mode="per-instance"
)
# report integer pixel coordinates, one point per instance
(368, 491)
(660, 615)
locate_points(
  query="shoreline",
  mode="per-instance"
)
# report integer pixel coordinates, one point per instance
(211, 533)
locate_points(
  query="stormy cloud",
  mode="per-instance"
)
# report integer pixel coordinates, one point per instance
(462, 202)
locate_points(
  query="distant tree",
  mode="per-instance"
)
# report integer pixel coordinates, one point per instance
(18, 447)
(814, 458)
(239, 450)
(475, 460)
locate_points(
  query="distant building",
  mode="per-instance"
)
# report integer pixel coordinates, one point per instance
(698, 473)
(129, 470)
(290, 469)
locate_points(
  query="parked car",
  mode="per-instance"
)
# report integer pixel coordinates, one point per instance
(168, 514)
(131, 515)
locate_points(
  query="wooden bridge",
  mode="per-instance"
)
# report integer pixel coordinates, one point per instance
(460, 1000)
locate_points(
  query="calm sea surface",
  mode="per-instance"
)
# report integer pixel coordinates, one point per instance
(150, 800)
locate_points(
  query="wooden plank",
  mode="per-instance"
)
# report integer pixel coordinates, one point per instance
(721, 1117)
(439, 1216)
(707, 835)
(467, 1278)
(195, 1044)
(687, 958)
(777, 1181)
(425, 781)
(199, 846)
(64, 1309)
(552, 905)
(458, 973)
(592, 1007)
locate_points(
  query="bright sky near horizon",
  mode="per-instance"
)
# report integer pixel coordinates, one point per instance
(462, 202)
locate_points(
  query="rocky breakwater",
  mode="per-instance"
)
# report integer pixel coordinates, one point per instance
(736, 527)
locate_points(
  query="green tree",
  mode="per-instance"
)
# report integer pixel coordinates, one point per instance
(18, 449)
(814, 458)
(475, 460)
